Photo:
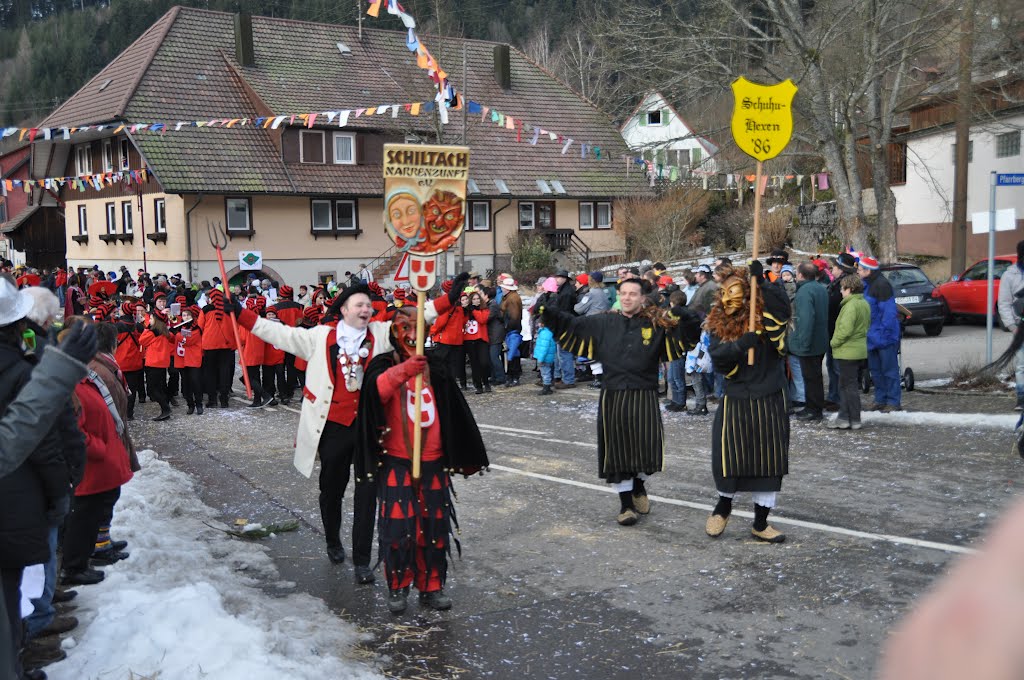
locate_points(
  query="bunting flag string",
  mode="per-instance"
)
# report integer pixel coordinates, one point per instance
(446, 96)
(95, 181)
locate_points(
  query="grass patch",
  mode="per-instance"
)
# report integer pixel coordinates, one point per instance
(966, 374)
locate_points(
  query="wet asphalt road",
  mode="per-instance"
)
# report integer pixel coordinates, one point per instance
(550, 586)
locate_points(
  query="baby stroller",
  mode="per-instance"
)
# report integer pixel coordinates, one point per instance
(906, 374)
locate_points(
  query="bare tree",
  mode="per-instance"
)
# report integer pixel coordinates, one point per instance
(664, 228)
(850, 59)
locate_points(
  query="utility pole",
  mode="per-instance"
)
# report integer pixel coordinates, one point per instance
(958, 252)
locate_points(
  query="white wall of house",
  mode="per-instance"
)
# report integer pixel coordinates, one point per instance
(927, 196)
(669, 134)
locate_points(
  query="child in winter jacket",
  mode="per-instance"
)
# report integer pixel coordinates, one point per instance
(273, 365)
(544, 353)
(188, 359)
(158, 346)
(698, 365)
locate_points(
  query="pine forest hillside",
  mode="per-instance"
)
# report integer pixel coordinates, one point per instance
(50, 48)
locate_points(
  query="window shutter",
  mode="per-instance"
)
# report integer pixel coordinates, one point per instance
(643, 119)
(360, 149)
(664, 116)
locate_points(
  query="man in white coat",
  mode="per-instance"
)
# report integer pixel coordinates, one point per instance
(337, 360)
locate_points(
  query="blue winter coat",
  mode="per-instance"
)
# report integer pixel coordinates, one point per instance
(885, 319)
(544, 346)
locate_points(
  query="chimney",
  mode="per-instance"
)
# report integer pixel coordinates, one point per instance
(502, 67)
(244, 51)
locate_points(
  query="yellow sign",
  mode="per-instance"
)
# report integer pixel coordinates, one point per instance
(762, 117)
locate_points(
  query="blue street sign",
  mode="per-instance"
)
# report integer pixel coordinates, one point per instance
(1010, 180)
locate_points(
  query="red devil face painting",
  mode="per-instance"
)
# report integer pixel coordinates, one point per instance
(442, 216)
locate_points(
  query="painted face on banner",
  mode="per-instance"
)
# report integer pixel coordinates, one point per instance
(442, 215)
(405, 215)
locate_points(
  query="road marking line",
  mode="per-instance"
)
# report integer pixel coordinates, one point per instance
(871, 536)
(853, 533)
(509, 429)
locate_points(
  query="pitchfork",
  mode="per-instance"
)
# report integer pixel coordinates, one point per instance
(219, 240)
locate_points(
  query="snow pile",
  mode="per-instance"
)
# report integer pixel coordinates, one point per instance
(963, 420)
(187, 604)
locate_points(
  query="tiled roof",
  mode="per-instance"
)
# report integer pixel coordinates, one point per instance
(191, 73)
(96, 103)
(18, 220)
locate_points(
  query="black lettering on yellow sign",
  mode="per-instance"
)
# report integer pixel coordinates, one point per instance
(762, 117)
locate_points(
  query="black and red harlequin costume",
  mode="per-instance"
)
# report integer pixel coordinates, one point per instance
(415, 520)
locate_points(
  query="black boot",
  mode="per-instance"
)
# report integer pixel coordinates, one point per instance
(628, 516)
(165, 413)
(547, 390)
(199, 407)
(398, 600)
(763, 531)
(190, 410)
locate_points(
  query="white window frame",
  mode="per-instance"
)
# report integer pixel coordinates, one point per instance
(127, 217)
(83, 159)
(83, 220)
(334, 147)
(533, 215)
(586, 209)
(1011, 139)
(124, 159)
(330, 215)
(111, 209)
(597, 215)
(355, 216)
(228, 201)
(108, 155)
(660, 123)
(970, 152)
(302, 146)
(471, 224)
(160, 215)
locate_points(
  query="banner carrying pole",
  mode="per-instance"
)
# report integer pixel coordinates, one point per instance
(753, 256)
(417, 433)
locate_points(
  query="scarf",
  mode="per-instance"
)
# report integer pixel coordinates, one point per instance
(95, 379)
(350, 339)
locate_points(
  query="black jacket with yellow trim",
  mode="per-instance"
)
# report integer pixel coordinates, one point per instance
(629, 348)
(767, 375)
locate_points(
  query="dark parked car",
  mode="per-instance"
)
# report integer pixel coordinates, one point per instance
(913, 290)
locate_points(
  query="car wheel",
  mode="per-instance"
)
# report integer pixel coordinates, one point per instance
(908, 378)
(933, 329)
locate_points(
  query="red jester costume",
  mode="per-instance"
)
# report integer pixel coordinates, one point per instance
(415, 520)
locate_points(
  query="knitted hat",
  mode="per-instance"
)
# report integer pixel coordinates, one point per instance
(285, 292)
(788, 268)
(160, 314)
(181, 299)
(665, 281)
(703, 269)
(583, 279)
(95, 301)
(868, 262)
(311, 315)
(128, 308)
(261, 303)
(271, 309)
(821, 264)
(399, 294)
(194, 311)
(550, 285)
(375, 288)
(597, 276)
(250, 303)
(446, 286)
(846, 262)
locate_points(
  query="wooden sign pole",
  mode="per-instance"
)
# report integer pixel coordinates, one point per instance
(417, 432)
(757, 239)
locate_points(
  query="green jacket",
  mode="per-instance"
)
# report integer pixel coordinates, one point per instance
(850, 339)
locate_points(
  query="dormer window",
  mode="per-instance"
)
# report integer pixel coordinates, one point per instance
(311, 146)
(654, 117)
(83, 159)
(344, 148)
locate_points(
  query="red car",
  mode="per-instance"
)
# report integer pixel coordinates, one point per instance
(966, 294)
